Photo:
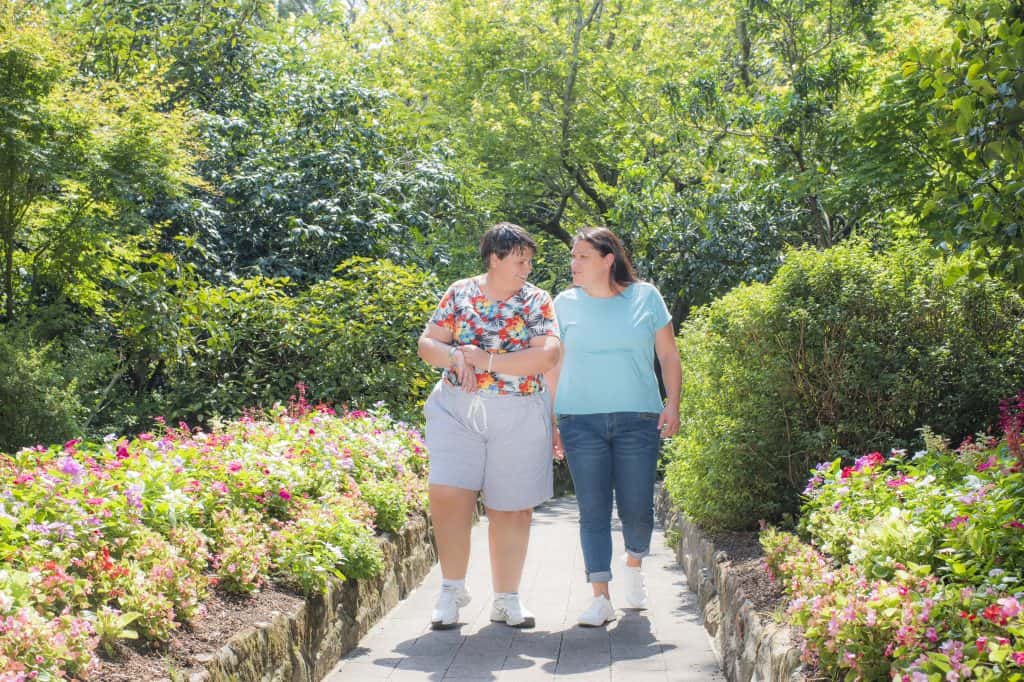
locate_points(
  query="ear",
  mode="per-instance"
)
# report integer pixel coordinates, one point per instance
(609, 259)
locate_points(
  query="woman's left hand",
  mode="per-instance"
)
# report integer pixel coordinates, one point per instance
(668, 422)
(475, 355)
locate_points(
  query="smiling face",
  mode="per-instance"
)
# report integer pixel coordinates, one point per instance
(511, 271)
(590, 269)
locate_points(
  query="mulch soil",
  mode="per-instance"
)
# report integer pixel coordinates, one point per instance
(746, 559)
(225, 615)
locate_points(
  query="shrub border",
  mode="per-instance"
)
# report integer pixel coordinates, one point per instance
(748, 645)
(305, 646)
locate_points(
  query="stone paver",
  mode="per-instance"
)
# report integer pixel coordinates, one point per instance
(664, 643)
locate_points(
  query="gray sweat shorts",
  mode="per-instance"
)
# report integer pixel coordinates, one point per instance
(497, 444)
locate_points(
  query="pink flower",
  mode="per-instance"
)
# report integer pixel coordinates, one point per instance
(122, 452)
(284, 494)
(234, 466)
(24, 478)
(1015, 524)
(70, 445)
(987, 464)
(932, 635)
(1011, 607)
(146, 436)
(957, 521)
(1018, 658)
(898, 481)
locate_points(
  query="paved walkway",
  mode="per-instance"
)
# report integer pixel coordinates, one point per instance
(665, 643)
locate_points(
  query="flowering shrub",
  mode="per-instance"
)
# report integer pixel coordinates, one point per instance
(914, 571)
(124, 538)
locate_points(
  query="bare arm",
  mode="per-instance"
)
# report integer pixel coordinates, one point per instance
(435, 348)
(537, 359)
(672, 376)
(551, 379)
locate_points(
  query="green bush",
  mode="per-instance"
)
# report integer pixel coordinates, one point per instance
(364, 323)
(844, 352)
(351, 339)
(38, 404)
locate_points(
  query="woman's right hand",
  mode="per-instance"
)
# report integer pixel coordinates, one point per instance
(464, 371)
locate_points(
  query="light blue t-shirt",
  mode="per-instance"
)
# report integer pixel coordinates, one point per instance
(608, 350)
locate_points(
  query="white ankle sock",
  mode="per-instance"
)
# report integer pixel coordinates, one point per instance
(461, 584)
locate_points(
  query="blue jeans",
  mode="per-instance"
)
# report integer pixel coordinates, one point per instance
(610, 453)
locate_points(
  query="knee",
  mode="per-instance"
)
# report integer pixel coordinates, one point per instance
(637, 517)
(516, 517)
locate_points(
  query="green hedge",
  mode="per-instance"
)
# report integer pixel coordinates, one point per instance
(38, 404)
(845, 351)
(351, 339)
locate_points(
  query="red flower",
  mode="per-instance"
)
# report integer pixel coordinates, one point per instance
(994, 613)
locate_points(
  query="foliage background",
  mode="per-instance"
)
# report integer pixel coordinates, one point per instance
(182, 181)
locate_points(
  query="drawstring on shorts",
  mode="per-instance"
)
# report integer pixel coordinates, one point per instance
(477, 408)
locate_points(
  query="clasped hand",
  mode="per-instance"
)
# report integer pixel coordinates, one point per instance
(466, 360)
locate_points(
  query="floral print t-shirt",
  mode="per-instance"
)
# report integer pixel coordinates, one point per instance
(497, 327)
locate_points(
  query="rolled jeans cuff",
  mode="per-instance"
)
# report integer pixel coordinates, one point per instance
(599, 577)
(638, 555)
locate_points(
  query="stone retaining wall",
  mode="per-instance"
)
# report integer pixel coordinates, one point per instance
(750, 648)
(304, 646)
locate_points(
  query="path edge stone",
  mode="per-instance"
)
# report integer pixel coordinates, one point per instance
(305, 645)
(750, 647)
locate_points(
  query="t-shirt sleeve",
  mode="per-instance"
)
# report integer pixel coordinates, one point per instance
(543, 321)
(444, 315)
(655, 305)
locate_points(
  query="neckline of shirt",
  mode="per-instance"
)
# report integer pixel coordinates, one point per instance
(476, 282)
(622, 294)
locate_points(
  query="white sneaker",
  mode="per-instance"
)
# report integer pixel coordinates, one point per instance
(636, 590)
(509, 610)
(446, 611)
(598, 613)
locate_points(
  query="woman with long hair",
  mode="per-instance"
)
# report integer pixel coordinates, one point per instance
(609, 416)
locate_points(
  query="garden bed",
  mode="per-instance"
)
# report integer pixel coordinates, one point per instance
(138, 558)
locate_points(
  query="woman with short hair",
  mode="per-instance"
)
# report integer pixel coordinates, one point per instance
(488, 425)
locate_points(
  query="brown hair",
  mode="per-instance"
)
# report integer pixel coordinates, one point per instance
(605, 241)
(503, 239)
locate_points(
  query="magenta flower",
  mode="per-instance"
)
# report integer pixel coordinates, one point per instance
(957, 522)
(987, 464)
(898, 481)
(1018, 658)
(284, 494)
(234, 466)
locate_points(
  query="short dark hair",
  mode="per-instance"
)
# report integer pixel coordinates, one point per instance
(503, 239)
(605, 241)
